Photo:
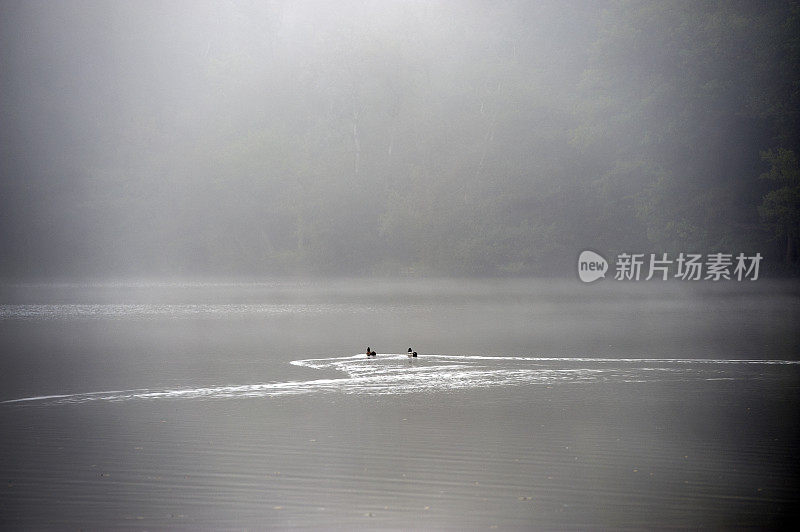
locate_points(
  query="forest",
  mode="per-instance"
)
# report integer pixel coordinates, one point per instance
(248, 138)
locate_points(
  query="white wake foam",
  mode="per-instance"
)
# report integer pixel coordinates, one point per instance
(399, 374)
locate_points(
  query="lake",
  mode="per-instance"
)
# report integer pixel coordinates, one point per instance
(532, 404)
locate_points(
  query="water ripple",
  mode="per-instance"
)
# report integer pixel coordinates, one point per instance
(398, 374)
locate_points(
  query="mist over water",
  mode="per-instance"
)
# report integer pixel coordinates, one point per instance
(74, 338)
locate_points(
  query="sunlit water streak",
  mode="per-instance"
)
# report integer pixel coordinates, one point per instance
(399, 374)
(133, 311)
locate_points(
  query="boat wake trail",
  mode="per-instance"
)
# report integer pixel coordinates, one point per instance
(397, 374)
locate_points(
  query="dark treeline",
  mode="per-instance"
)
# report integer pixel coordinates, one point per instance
(461, 138)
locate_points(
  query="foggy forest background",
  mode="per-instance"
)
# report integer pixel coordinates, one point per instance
(154, 138)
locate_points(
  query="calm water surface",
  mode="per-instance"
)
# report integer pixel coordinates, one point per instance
(533, 404)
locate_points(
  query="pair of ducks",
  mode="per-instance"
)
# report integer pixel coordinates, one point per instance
(371, 353)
